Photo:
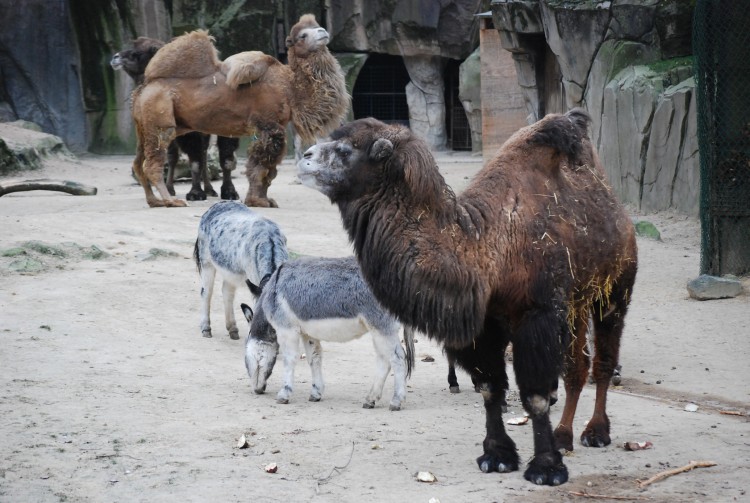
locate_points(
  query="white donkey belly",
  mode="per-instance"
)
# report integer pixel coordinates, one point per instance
(334, 329)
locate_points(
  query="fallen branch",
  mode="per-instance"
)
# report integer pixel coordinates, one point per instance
(663, 475)
(605, 497)
(731, 413)
(336, 469)
(75, 188)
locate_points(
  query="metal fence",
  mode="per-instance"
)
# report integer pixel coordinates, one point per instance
(721, 50)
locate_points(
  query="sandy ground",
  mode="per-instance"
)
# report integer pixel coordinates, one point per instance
(109, 393)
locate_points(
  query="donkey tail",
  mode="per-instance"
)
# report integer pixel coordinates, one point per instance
(197, 256)
(409, 343)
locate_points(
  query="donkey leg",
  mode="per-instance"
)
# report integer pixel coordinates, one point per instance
(227, 292)
(576, 370)
(609, 322)
(314, 354)
(382, 368)
(289, 341)
(398, 364)
(208, 274)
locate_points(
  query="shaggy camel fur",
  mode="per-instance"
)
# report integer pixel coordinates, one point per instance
(535, 245)
(133, 62)
(177, 97)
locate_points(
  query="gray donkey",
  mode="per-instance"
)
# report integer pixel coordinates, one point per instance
(322, 299)
(241, 245)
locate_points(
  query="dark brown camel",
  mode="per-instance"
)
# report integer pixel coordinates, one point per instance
(535, 245)
(133, 61)
(187, 88)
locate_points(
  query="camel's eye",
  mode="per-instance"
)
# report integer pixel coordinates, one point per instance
(304, 35)
(343, 150)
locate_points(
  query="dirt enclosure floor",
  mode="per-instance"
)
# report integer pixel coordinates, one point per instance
(108, 392)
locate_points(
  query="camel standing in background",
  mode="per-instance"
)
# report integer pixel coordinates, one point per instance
(187, 88)
(195, 145)
(533, 247)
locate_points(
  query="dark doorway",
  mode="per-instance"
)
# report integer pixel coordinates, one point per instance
(380, 90)
(456, 124)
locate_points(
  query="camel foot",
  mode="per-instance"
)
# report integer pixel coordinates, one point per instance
(210, 192)
(260, 202)
(229, 193)
(547, 469)
(175, 203)
(196, 195)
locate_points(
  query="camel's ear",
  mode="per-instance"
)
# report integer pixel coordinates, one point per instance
(381, 150)
(247, 312)
(254, 289)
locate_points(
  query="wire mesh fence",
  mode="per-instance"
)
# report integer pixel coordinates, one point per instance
(721, 50)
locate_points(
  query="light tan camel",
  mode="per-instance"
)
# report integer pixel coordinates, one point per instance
(187, 88)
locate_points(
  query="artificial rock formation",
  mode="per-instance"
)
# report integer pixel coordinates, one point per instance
(626, 63)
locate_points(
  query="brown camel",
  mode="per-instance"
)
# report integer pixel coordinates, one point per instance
(187, 88)
(535, 245)
(133, 61)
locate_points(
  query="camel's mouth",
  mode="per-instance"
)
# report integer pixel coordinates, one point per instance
(116, 62)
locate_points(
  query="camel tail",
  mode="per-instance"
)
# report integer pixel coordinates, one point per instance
(565, 133)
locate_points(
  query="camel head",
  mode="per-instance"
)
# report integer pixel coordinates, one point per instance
(356, 160)
(306, 37)
(133, 61)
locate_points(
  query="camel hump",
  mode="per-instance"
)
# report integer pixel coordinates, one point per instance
(246, 67)
(189, 56)
(564, 133)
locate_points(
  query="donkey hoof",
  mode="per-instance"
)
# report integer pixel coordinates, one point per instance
(394, 407)
(368, 405)
(455, 389)
(234, 335)
(314, 398)
(282, 400)
(207, 334)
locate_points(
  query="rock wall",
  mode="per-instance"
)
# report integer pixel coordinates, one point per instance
(627, 62)
(423, 32)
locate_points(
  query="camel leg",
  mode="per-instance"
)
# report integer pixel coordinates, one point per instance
(452, 379)
(194, 145)
(263, 157)
(609, 322)
(207, 187)
(151, 200)
(155, 150)
(173, 157)
(485, 362)
(576, 370)
(538, 347)
(228, 163)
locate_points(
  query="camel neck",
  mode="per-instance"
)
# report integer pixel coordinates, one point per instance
(411, 244)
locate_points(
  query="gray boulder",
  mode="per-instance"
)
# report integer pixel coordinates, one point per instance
(706, 287)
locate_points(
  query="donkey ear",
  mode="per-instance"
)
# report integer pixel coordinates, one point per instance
(254, 289)
(381, 150)
(247, 312)
(263, 282)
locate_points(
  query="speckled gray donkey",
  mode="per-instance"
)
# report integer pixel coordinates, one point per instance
(240, 244)
(322, 299)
